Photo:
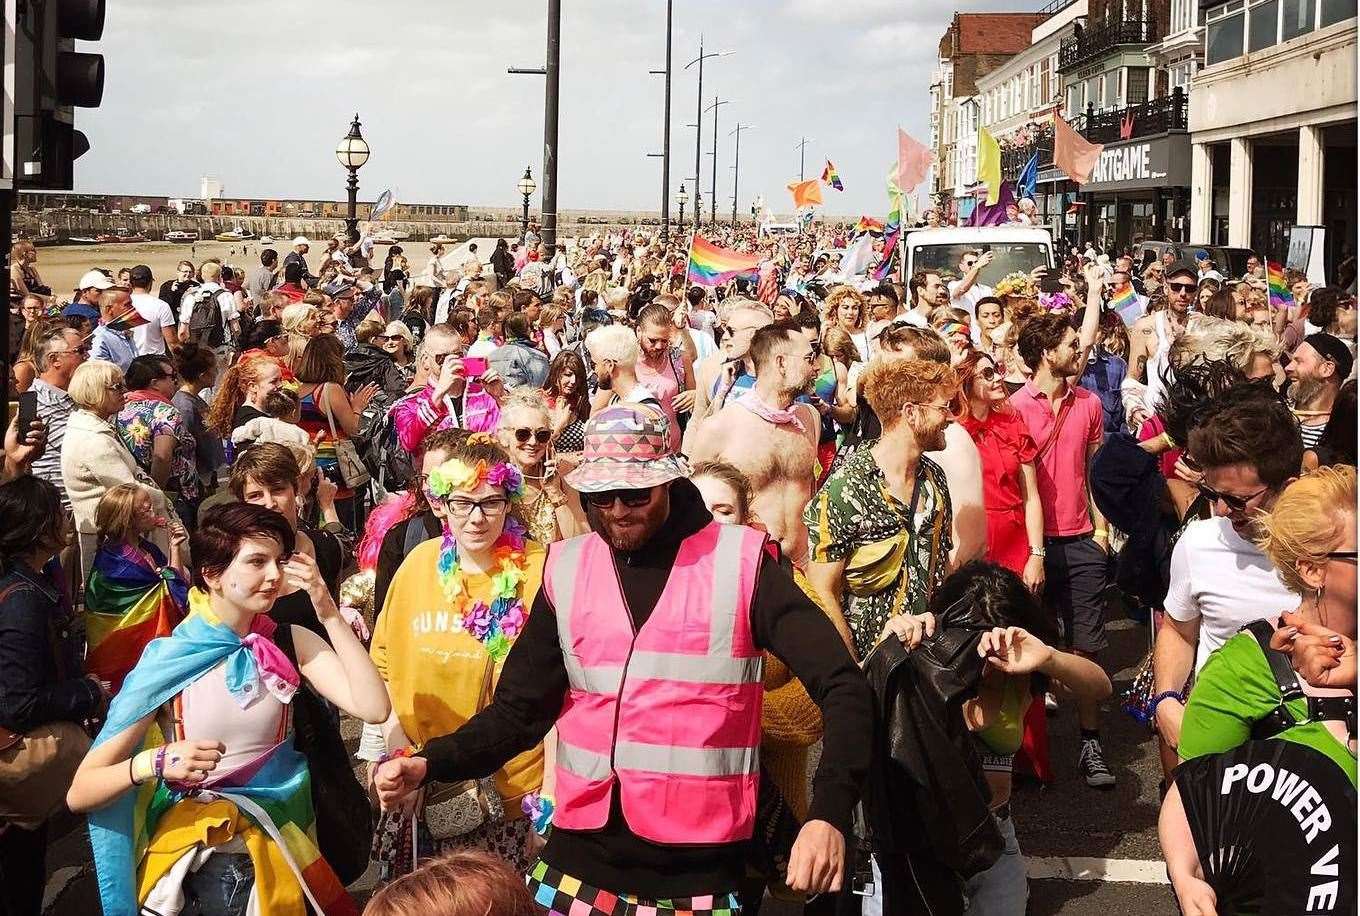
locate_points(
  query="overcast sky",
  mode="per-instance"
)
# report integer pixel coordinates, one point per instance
(257, 92)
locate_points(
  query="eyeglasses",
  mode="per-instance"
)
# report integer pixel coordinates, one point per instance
(172, 374)
(1182, 287)
(541, 436)
(1234, 503)
(120, 388)
(382, 338)
(491, 507)
(633, 498)
(1342, 555)
(942, 408)
(987, 374)
(440, 357)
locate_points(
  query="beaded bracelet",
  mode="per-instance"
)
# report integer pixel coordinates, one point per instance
(1164, 695)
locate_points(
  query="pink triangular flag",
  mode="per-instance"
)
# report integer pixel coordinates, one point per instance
(913, 162)
(1073, 153)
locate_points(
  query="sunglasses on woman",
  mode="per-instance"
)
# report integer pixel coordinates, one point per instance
(633, 498)
(541, 436)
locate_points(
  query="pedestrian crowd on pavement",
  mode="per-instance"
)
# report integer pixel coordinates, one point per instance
(598, 549)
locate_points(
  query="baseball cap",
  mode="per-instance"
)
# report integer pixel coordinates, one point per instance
(1182, 267)
(80, 310)
(338, 287)
(95, 279)
(625, 449)
(1201, 254)
(140, 275)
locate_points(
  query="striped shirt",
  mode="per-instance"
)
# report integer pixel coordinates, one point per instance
(1311, 434)
(54, 409)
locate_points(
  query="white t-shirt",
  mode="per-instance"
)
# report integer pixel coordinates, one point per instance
(968, 299)
(148, 338)
(225, 300)
(1224, 581)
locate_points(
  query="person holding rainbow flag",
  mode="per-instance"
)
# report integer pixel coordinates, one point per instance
(197, 797)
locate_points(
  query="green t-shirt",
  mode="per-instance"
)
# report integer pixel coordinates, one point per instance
(1234, 690)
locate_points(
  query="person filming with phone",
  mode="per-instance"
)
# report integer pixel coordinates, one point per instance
(450, 391)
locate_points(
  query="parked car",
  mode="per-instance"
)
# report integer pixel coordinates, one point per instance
(1231, 262)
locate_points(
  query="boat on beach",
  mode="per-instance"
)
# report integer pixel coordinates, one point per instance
(238, 234)
(181, 235)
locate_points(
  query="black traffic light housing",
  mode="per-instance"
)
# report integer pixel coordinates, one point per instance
(51, 80)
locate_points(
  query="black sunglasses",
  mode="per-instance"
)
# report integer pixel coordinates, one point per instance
(632, 498)
(1182, 287)
(541, 436)
(1342, 555)
(1235, 503)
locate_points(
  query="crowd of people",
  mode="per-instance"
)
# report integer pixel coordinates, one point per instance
(595, 555)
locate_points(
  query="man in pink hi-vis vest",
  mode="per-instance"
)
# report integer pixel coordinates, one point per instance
(643, 648)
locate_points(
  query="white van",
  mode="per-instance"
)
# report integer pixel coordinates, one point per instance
(779, 229)
(1014, 248)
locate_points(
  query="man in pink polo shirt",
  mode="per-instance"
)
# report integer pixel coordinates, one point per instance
(1065, 422)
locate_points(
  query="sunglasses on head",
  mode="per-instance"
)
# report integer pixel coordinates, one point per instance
(632, 498)
(524, 433)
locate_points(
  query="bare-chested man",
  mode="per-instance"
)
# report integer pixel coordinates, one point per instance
(726, 373)
(1150, 340)
(771, 439)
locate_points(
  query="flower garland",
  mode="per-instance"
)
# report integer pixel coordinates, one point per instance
(1016, 283)
(497, 624)
(1056, 302)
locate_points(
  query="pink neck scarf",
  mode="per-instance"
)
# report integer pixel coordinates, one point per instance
(779, 417)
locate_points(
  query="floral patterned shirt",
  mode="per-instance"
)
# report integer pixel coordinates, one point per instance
(138, 425)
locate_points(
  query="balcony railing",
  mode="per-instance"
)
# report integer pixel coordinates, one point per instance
(1146, 120)
(1094, 43)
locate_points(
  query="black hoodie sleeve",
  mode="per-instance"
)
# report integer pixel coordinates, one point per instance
(529, 695)
(787, 623)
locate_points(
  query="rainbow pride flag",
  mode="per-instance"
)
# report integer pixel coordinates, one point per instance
(128, 320)
(892, 234)
(832, 177)
(710, 265)
(1123, 299)
(1280, 295)
(868, 224)
(126, 606)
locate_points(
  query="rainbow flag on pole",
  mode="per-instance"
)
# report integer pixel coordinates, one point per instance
(128, 320)
(868, 224)
(1280, 295)
(1124, 298)
(832, 177)
(710, 265)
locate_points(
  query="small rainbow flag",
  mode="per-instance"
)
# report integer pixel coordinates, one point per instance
(868, 224)
(892, 234)
(831, 177)
(710, 265)
(1124, 298)
(128, 320)
(1280, 295)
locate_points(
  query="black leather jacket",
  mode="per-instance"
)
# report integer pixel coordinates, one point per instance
(927, 798)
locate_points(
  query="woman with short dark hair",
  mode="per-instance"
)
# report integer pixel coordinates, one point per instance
(44, 694)
(219, 690)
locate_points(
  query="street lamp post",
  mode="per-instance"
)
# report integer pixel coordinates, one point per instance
(713, 192)
(736, 167)
(527, 186)
(352, 151)
(698, 134)
(682, 198)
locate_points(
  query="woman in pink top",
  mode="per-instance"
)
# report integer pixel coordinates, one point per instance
(663, 369)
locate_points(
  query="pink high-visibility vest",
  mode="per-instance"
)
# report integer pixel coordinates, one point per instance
(671, 713)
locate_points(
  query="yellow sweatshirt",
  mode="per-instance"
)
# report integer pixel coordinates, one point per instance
(435, 671)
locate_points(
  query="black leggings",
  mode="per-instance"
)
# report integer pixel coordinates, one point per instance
(23, 871)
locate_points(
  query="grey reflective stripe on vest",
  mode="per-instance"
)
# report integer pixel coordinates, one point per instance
(562, 580)
(723, 601)
(685, 761)
(584, 763)
(696, 669)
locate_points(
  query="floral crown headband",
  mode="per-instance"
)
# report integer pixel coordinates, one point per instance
(456, 474)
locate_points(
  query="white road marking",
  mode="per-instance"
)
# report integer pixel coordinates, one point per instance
(1082, 868)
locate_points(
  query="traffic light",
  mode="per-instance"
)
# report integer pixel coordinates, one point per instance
(52, 79)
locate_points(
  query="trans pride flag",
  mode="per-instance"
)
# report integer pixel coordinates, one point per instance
(710, 265)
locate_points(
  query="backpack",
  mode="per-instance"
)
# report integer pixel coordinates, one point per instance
(205, 319)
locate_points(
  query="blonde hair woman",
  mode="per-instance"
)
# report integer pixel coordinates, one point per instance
(550, 510)
(94, 459)
(301, 322)
(845, 309)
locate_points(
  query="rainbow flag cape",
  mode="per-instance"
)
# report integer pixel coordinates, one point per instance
(868, 224)
(710, 265)
(128, 320)
(126, 606)
(1124, 299)
(1280, 295)
(275, 796)
(832, 177)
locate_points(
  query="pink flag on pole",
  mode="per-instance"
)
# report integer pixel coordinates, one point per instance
(1072, 152)
(913, 162)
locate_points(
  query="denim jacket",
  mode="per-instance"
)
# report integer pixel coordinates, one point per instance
(41, 677)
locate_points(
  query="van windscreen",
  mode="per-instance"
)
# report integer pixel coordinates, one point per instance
(1006, 258)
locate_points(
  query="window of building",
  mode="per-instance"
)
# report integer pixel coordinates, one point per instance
(1045, 88)
(1297, 19)
(1224, 33)
(1182, 15)
(1334, 11)
(1263, 24)
(1095, 91)
(1137, 92)
(1073, 100)
(1111, 94)
(1035, 85)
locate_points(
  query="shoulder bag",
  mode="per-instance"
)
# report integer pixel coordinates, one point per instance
(353, 473)
(457, 808)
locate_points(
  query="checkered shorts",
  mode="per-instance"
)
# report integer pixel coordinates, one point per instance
(558, 894)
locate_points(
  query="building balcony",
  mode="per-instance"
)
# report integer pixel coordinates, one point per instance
(1149, 119)
(1095, 43)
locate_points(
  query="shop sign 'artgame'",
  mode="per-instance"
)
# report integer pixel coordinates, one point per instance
(1141, 164)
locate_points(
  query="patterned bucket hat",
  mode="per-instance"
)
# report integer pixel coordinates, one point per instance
(625, 448)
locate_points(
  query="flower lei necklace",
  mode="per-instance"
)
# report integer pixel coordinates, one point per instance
(495, 625)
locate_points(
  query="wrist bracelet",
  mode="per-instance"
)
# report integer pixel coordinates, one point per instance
(539, 808)
(1165, 695)
(1166, 437)
(141, 767)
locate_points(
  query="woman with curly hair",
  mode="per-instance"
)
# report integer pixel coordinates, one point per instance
(241, 393)
(845, 309)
